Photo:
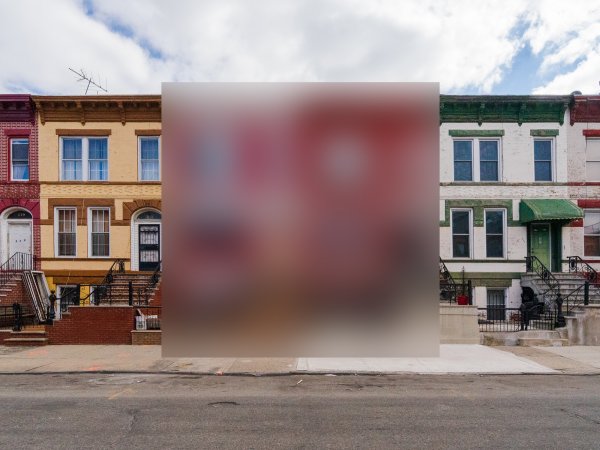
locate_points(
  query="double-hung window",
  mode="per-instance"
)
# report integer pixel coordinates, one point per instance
(592, 159)
(19, 159)
(494, 233)
(84, 159)
(149, 158)
(542, 151)
(476, 160)
(591, 232)
(461, 232)
(99, 233)
(66, 231)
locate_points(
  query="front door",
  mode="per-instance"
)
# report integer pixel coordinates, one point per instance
(540, 242)
(19, 238)
(496, 307)
(149, 246)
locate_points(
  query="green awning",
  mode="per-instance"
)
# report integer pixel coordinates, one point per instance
(540, 210)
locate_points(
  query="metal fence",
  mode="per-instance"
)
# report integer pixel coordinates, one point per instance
(498, 319)
(15, 318)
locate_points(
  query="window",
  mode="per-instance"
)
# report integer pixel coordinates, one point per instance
(494, 233)
(19, 159)
(488, 160)
(84, 159)
(149, 168)
(542, 149)
(99, 236)
(66, 234)
(461, 233)
(591, 232)
(463, 161)
(483, 165)
(592, 157)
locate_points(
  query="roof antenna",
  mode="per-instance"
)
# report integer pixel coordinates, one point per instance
(90, 81)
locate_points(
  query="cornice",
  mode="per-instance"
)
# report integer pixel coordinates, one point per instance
(16, 108)
(99, 108)
(585, 108)
(503, 108)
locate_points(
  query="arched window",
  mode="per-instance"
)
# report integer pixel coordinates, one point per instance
(149, 215)
(20, 214)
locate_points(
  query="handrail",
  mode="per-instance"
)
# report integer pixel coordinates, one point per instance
(533, 264)
(447, 283)
(18, 263)
(578, 265)
(573, 299)
(154, 279)
(118, 265)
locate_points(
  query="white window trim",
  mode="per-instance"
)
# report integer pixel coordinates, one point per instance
(140, 138)
(587, 139)
(471, 234)
(591, 210)
(12, 171)
(85, 169)
(56, 227)
(552, 162)
(476, 159)
(89, 231)
(504, 232)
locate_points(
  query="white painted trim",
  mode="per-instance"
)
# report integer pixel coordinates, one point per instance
(476, 158)
(471, 234)
(504, 233)
(4, 224)
(134, 261)
(56, 209)
(85, 169)
(89, 231)
(10, 159)
(552, 155)
(139, 158)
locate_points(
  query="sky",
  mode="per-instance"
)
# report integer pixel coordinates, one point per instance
(470, 47)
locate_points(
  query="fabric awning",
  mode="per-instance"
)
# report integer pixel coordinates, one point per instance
(540, 210)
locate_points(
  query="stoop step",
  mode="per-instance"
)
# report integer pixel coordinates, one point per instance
(26, 341)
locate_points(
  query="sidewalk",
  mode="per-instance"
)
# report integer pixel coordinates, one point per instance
(454, 359)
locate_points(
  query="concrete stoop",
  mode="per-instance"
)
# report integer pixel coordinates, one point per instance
(31, 336)
(530, 338)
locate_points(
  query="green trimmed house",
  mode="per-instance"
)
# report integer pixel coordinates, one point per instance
(504, 192)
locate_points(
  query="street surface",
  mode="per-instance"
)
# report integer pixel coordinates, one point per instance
(299, 411)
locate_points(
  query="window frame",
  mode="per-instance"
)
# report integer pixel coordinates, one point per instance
(588, 139)
(504, 232)
(476, 159)
(57, 232)
(11, 165)
(140, 138)
(471, 234)
(591, 210)
(89, 231)
(85, 160)
(552, 159)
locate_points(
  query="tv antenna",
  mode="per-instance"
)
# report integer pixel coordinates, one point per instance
(90, 81)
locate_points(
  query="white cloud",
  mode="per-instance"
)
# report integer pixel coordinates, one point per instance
(135, 45)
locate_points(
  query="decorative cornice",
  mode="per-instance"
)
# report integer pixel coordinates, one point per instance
(99, 108)
(585, 108)
(503, 108)
(476, 133)
(543, 133)
(591, 133)
(16, 108)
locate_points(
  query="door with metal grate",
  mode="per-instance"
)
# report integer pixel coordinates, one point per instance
(149, 246)
(496, 307)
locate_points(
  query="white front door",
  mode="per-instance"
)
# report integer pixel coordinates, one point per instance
(19, 238)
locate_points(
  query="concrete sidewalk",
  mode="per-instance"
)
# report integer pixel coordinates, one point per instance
(454, 359)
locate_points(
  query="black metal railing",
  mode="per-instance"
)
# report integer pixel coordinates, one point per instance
(577, 297)
(147, 318)
(533, 264)
(580, 267)
(448, 289)
(501, 319)
(144, 293)
(102, 292)
(16, 316)
(17, 263)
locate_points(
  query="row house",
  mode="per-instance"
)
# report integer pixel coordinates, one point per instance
(506, 191)
(99, 188)
(19, 185)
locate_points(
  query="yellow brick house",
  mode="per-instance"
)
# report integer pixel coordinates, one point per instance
(100, 187)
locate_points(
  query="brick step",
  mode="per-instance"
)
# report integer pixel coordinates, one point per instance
(28, 334)
(26, 342)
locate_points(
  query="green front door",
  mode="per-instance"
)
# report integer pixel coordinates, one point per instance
(540, 242)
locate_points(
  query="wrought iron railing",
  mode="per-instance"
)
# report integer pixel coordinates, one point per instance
(577, 297)
(17, 263)
(501, 319)
(580, 267)
(533, 264)
(145, 292)
(448, 288)
(16, 317)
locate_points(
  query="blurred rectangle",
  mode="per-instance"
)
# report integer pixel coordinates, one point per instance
(300, 219)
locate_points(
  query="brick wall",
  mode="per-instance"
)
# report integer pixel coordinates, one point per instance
(17, 293)
(100, 325)
(147, 337)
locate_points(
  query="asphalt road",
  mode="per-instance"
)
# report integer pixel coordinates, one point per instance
(169, 411)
